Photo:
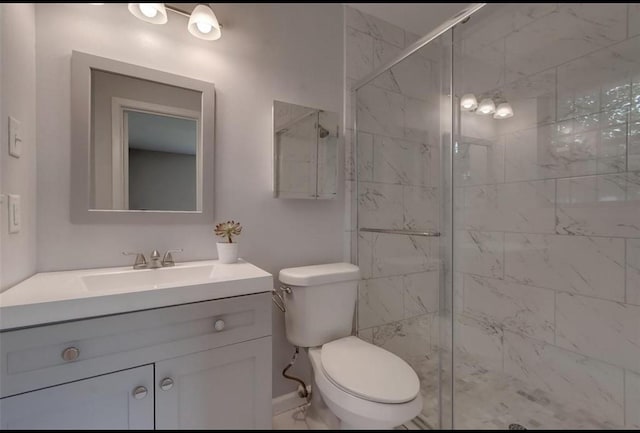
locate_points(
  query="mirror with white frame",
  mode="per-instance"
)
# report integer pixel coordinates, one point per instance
(305, 143)
(143, 144)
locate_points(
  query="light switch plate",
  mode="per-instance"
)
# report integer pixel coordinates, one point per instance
(14, 213)
(15, 138)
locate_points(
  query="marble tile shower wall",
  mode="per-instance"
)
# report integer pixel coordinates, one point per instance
(548, 203)
(397, 164)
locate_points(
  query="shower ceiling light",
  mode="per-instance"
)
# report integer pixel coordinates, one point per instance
(504, 111)
(468, 102)
(154, 13)
(486, 107)
(203, 23)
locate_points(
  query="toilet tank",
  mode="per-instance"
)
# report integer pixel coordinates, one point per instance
(321, 304)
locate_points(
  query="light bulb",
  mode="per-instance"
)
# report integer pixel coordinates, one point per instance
(504, 111)
(154, 13)
(468, 102)
(148, 10)
(203, 23)
(204, 27)
(486, 107)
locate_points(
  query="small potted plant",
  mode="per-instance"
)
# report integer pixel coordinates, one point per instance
(228, 251)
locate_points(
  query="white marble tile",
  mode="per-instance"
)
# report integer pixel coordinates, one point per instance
(533, 99)
(598, 81)
(365, 254)
(420, 120)
(604, 205)
(632, 400)
(577, 147)
(608, 331)
(519, 206)
(421, 208)
(416, 77)
(409, 339)
(399, 255)
(404, 162)
(570, 32)
(541, 153)
(365, 157)
(634, 19)
(568, 377)
(480, 342)
(479, 253)
(380, 301)
(380, 111)
(421, 293)
(479, 162)
(576, 264)
(481, 66)
(633, 157)
(633, 271)
(497, 21)
(360, 54)
(380, 205)
(374, 27)
(525, 310)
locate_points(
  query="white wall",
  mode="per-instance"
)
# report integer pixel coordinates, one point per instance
(289, 52)
(18, 176)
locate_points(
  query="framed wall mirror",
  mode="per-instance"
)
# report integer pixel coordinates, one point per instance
(305, 144)
(142, 144)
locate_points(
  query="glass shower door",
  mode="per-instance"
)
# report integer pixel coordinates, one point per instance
(401, 122)
(546, 226)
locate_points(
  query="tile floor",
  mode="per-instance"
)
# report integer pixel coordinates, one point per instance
(484, 400)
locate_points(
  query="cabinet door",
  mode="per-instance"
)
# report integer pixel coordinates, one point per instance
(224, 388)
(102, 402)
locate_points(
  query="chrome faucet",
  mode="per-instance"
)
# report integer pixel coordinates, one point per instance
(154, 259)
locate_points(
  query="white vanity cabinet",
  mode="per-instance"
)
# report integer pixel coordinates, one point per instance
(199, 365)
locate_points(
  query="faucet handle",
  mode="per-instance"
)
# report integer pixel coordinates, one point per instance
(141, 261)
(167, 260)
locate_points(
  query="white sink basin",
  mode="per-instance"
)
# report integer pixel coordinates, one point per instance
(144, 279)
(68, 295)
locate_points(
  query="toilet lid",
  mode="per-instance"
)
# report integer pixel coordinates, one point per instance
(369, 371)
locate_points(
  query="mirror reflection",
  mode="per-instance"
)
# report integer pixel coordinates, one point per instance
(146, 144)
(305, 151)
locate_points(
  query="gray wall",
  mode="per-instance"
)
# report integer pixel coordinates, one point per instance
(289, 52)
(18, 176)
(162, 180)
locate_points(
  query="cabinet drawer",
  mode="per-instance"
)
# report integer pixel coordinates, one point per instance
(34, 358)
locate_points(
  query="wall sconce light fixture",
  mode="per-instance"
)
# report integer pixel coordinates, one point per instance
(468, 102)
(203, 23)
(504, 111)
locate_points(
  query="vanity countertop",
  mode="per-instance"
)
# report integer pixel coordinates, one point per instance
(69, 295)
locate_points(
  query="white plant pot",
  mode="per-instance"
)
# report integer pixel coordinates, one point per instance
(227, 253)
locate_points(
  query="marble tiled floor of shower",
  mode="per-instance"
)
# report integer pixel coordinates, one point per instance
(492, 400)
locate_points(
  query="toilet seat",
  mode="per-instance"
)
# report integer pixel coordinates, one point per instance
(354, 410)
(368, 371)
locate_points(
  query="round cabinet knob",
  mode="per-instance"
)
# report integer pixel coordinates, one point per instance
(219, 325)
(140, 392)
(166, 384)
(70, 353)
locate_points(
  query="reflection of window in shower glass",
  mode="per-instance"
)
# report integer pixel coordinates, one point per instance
(162, 161)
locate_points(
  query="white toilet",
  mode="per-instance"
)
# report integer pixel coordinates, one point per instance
(356, 385)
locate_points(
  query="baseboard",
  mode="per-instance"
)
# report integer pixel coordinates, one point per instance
(287, 402)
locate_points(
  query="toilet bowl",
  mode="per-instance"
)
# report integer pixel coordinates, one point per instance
(357, 404)
(356, 385)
